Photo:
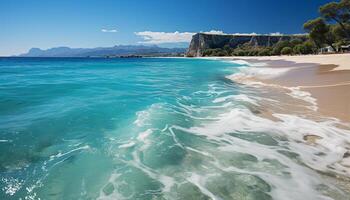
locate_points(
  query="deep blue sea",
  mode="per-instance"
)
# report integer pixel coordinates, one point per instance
(156, 128)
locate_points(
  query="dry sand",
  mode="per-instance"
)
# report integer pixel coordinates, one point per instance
(342, 61)
(326, 77)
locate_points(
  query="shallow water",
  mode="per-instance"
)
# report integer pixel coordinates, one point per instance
(161, 128)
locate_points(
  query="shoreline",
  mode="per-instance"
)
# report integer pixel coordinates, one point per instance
(325, 77)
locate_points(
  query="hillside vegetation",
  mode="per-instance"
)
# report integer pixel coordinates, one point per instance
(331, 29)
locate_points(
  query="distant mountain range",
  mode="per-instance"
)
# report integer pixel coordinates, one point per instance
(119, 50)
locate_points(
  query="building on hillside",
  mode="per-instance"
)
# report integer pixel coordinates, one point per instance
(327, 49)
(344, 48)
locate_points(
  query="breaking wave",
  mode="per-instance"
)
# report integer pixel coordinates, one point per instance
(236, 144)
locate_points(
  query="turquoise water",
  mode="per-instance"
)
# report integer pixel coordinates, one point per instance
(152, 128)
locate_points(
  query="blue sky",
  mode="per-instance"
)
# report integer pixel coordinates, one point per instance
(94, 23)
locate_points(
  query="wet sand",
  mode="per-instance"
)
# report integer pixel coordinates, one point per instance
(326, 77)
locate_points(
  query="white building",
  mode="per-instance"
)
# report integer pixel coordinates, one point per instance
(344, 48)
(327, 49)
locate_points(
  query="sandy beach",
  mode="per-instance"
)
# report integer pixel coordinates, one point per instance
(325, 77)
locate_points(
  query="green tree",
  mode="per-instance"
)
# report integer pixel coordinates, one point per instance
(306, 47)
(339, 13)
(295, 41)
(265, 52)
(310, 47)
(339, 34)
(320, 32)
(299, 49)
(286, 51)
(228, 49)
(219, 52)
(207, 52)
(239, 52)
(279, 46)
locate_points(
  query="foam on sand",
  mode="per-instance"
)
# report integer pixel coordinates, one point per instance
(324, 77)
(259, 72)
(250, 76)
(244, 62)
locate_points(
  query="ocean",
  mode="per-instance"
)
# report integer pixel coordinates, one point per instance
(161, 128)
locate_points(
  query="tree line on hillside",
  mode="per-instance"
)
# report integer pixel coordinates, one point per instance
(331, 29)
(283, 47)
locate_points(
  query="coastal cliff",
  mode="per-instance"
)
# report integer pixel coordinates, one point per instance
(203, 41)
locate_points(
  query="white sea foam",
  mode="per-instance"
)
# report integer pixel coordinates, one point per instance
(245, 98)
(303, 95)
(60, 154)
(143, 135)
(288, 164)
(223, 99)
(258, 72)
(246, 76)
(333, 141)
(244, 62)
(142, 116)
(238, 97)
(127, 145)
(200, 181)
(12, 185)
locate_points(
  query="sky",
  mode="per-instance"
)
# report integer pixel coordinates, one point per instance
(102, 23)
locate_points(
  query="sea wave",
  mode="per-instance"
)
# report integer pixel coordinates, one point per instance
(192, 135)
(185, 149)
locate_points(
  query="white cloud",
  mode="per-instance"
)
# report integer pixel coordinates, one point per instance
(109, 30)
(300, 34)
(215, 32)
(151, 37)
(276, 33)
(249, 34)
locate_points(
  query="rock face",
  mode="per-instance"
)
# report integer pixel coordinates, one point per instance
(202, 41)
